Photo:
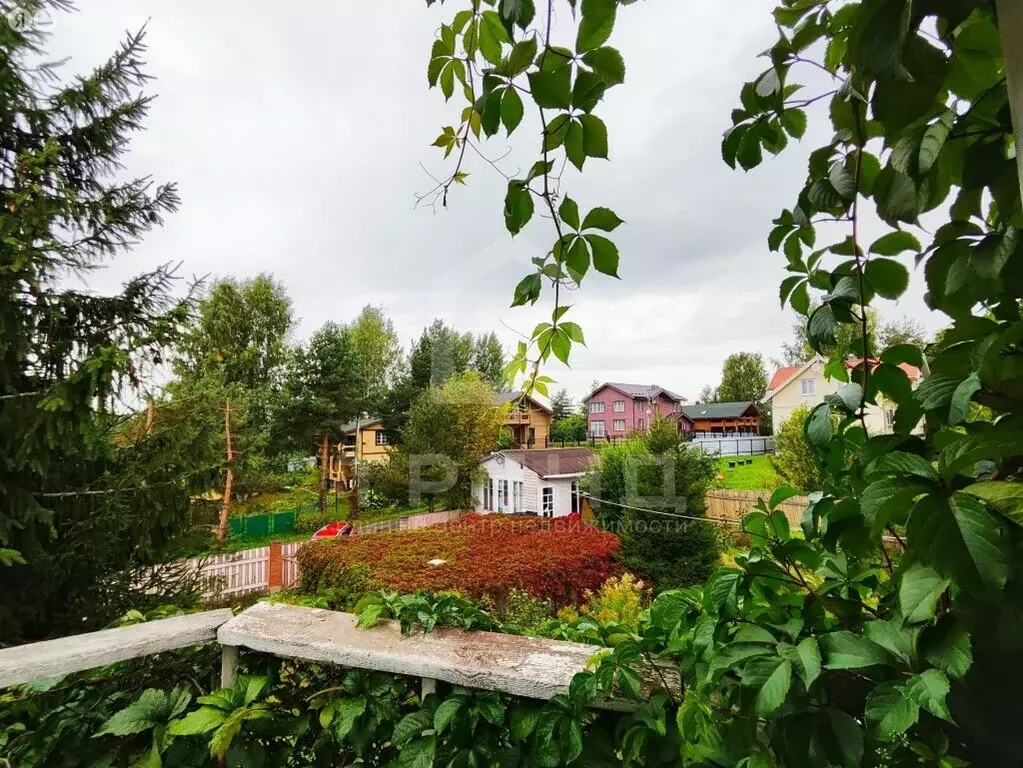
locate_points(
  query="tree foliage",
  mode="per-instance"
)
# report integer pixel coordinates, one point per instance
(794, 459)
(743, 378)
(377, 344)
(77, 502)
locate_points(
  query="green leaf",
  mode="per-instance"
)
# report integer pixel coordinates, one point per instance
(768, 83)
(561, 345)
(594, 136)
(774, 690)
(527, 291)
(489, 39)
(628, 682)
(794, 121)
(522, 56)
(588, 90)
(810, 660)
(518, 207)
(930, 689)
(569, 212)
(895, 194)
(607, 63)
(919, 592)
(605, 254)
(150, 709)
(511, 109)
(900, 463)
(960, 406)
(887, 277)
(578, 258)
(418, 754)
(961, 539)
(890, 712)
(446, 712)
(574, 144)
(818, 426)
(781, 495)
(552, 90)
(934, 139)
(202, 720)
(347, 712)
(602, 218)
(413, 724)
(523, 721)
(948, 647)
(598, 20)
(575, 333)
(369, 616)
(490, 707)
(748, 152)
(846, 650)
(903, 353)
(997, 443)
(1006, 497)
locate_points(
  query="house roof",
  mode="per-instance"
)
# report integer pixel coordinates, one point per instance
(784, 376)
(369, 421)
(646, 391)
(717, 410)
(781, 376)
(500, 398)
(553, 461)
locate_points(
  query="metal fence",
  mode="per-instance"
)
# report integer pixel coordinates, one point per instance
(735, 446)
(261, 526)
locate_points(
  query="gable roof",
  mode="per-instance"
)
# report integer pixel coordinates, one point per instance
(366, 423)
(500, 398)
(718, 410)
(784, 376)
(645, 391)
(552, 462)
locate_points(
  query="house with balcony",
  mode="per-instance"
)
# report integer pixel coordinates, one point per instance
(806, 384)
(617, 410)
(723, 418)
(365, 440)
(528, 421)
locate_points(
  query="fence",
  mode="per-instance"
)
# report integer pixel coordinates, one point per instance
(735, 505)
(264, 568)
(735, 446)
(261, 526)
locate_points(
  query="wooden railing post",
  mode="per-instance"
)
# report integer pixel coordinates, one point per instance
(275, 568)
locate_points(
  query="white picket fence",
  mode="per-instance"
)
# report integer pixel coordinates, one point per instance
(248, 571)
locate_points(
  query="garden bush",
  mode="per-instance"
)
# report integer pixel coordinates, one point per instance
(794, 460)
(311, 522)
(554, 559)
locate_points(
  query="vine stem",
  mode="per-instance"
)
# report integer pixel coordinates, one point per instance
(860, 267)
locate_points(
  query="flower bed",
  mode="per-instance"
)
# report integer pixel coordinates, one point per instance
(483, 555)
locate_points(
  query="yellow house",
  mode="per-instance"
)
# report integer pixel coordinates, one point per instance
(529, 421)
(365, 440)
(806, 385)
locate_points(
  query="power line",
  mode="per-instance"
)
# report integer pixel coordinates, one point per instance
(659, 512)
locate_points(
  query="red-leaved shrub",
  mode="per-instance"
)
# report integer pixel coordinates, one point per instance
(484, 555)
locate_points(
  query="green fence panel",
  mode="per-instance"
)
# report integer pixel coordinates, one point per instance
(284, 522)
(257, 526)
(237, 527)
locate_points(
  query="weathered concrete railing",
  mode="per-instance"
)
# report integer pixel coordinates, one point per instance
(54, 658)
(523, 666)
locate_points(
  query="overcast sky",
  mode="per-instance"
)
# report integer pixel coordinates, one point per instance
(296, 131)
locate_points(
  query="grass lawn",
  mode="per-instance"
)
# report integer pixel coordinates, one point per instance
(758, 476)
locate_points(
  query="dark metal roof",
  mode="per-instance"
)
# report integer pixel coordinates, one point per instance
(718, 410)
(645, 391)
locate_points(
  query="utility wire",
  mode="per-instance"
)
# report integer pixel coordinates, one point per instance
(659, 512)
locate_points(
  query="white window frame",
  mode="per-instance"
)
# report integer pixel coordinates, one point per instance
(615, 427)
(807, 387)
(641, 424)
(618, 406)
(598, 432)
(502, 495)
(597, 407)
(488, 494)
(547, 501)
(517, 493)
(577, 502)
(382, 438)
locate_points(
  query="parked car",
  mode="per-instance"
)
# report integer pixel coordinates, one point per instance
(334, 530)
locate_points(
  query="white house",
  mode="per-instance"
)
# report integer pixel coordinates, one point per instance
(806, 385)
(544, 482)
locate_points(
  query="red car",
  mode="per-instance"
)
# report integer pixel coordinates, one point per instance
(334, 530)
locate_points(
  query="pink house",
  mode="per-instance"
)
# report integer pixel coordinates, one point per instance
(614, 409)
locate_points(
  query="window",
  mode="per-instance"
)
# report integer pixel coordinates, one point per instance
(548, 501)
(597, 428)
(596, 407)
(488, 495)
(618, 406)
(517, 491)
(576, 501)
(382, 438)
(619, 425)
(807, 387)
(641, 424)
(502, 495)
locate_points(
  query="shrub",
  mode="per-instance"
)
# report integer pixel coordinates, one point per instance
(313, 521)
(553, 559)
(793, 458)
(620, 598)
(520, 610)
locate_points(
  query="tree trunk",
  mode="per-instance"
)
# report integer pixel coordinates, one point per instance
(1010, 24)
(225, 509)
(324, 471)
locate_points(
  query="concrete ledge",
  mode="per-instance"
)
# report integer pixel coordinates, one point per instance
(52, 658)
(523, 666)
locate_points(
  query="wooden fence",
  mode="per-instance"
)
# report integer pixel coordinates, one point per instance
(263, 569)
(734, 505)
